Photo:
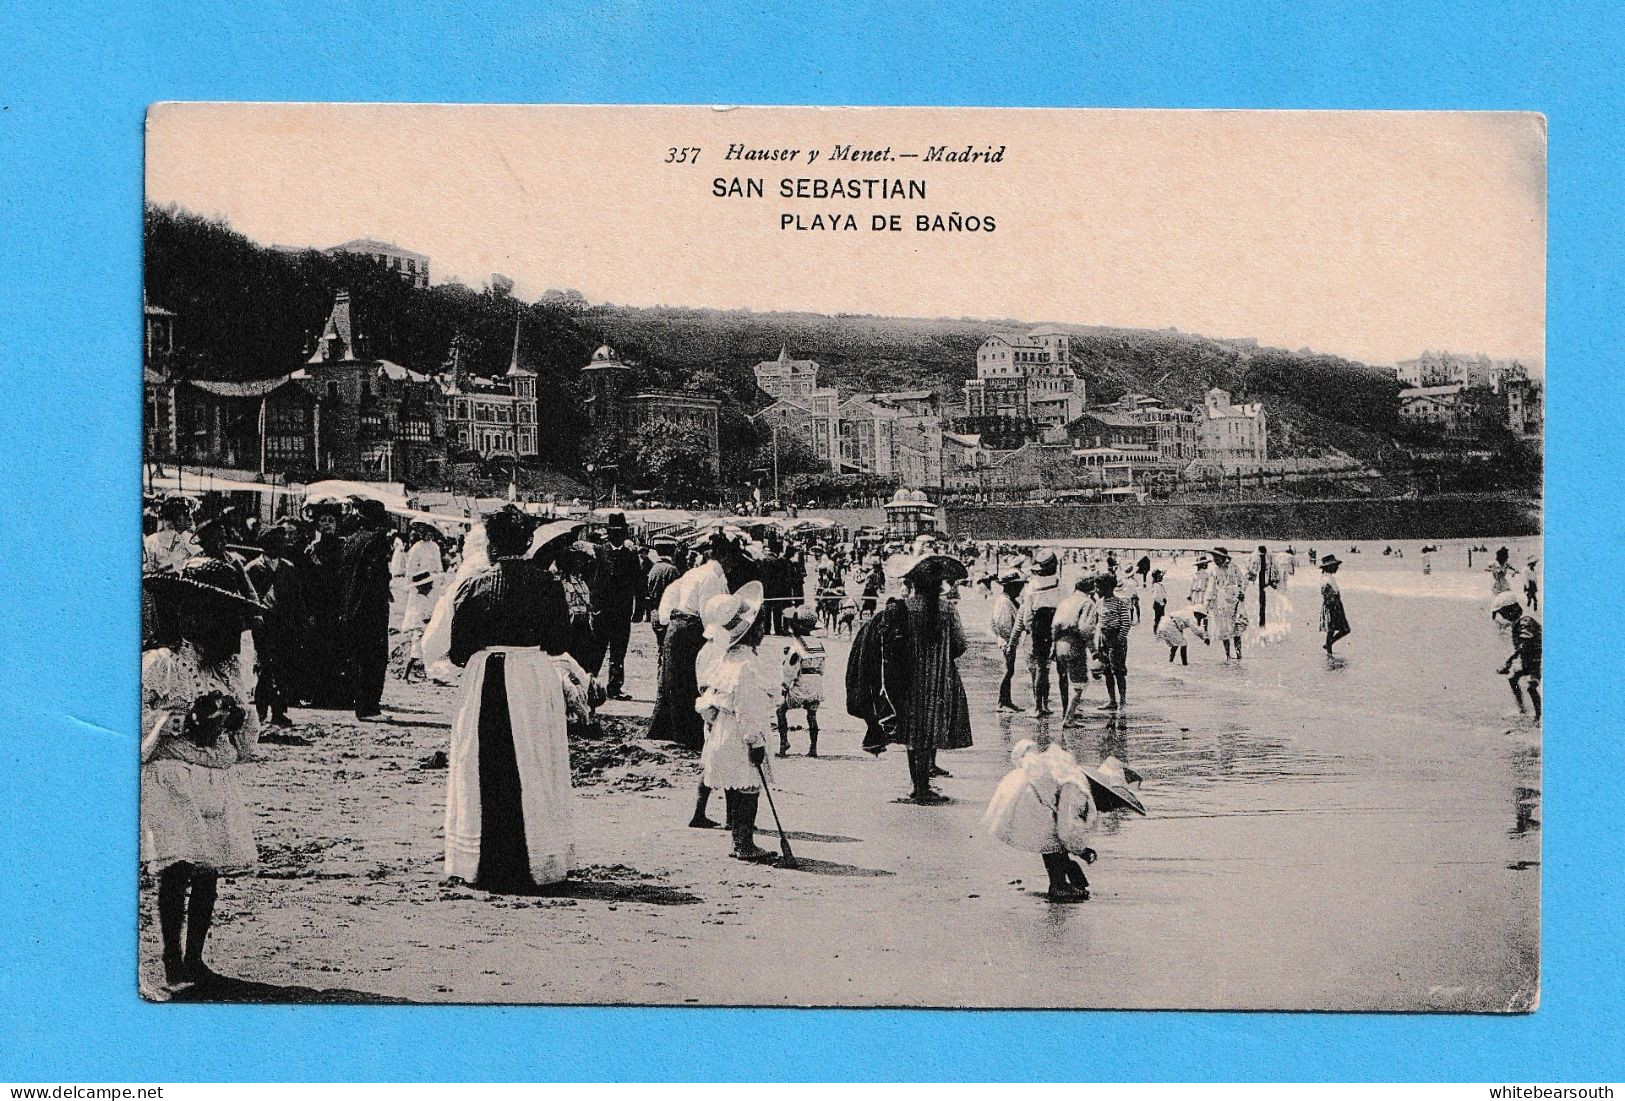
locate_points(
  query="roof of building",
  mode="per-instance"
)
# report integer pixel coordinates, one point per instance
(1226, 408)
(907, 395)
(785, 363)
(373, 245)
(514, 366)
(1446, 390)
(392, 371)
(228, 389)
(1116, 420)
(788, 405)
(675, 396)
(604, 358)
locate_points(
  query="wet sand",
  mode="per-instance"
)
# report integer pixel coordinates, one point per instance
(1360, 834)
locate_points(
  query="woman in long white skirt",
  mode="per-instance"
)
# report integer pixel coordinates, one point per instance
(508, 804)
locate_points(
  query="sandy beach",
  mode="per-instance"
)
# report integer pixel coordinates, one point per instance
(1357, 834)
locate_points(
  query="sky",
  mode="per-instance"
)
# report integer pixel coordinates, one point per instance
(1373, 235)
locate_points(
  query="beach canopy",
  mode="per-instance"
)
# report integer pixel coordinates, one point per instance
(199, 484)
(337, 489)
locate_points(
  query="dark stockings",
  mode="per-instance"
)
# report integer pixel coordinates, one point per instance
(173, 884)
(701, 801)
(921, 762)
(1066, 878)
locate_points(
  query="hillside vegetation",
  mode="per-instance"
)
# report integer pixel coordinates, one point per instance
(248, 311)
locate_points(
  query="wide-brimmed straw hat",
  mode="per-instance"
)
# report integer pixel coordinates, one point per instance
(197, 587)
(1112, 784)
(549, 539)
(1010, 575)
(1220, 552)
(1045, 562)
(1502, 602)
(902, 566)
(1331, 560)
(728, 616)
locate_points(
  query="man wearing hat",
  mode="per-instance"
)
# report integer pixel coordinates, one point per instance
(1037, 621)
(617, 594)
(282, 630)
(661, 576)
(364, 598)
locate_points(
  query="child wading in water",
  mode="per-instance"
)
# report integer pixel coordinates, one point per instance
(1048, 803)
(1175, 629)
(738, 702)
(1115, 620)
(803, 678)
(1524, 663)
(194, 821)
(1333, 619)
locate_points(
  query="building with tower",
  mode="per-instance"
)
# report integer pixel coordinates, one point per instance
(619, 410)
(378, 420)
(492, 417)
(1024, 385)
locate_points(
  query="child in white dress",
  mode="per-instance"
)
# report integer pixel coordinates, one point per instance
(195, 822)
(738, 701)
(1048, 804)
(1175, 630)
(803, 677)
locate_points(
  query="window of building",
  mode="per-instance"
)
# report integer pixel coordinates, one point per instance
(285, 449)
(332, 391)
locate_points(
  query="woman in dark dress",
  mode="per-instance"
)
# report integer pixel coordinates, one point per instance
(508, 816)
(924, 689)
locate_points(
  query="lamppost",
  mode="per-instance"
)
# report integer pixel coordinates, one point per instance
(774, 425)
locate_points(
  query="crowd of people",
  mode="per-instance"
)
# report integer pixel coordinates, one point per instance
(532, 621)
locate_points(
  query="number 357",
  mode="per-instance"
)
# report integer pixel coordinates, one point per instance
(688, 154)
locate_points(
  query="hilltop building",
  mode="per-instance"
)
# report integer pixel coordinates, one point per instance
(378, 420)
(787, 378)
(1024, 386)
(1449, 369)
(494, 417)
(1229, 437)
(228, 427)
(619, 411)
(412, 266)
(896, 434)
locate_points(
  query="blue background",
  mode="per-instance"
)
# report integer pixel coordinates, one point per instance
(74, 82)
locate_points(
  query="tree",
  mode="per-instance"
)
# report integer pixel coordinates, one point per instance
(677, 465)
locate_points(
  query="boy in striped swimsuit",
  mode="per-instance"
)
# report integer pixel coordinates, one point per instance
(1116, 616)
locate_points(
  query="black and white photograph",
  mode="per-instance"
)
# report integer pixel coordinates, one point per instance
(842, 557)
